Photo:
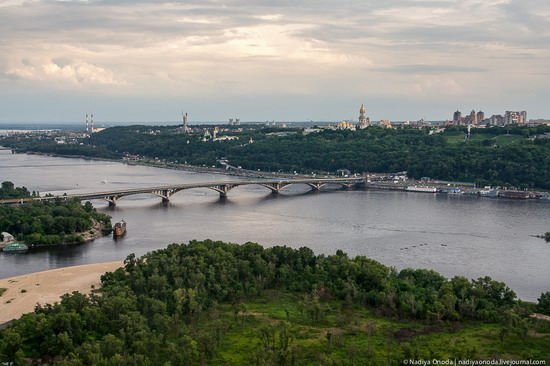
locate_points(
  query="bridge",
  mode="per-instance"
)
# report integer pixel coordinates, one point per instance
(223, 188)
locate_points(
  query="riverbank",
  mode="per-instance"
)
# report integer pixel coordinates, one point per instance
(385, 184)
(95, 232)
(24, 292)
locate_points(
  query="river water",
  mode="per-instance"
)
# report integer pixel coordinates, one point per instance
(451, 234)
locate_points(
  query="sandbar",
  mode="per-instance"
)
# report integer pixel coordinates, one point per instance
(46, 287)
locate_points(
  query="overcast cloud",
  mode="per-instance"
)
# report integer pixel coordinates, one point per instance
(287, 60)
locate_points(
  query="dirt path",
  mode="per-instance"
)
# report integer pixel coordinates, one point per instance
(94, 232)
(540, 316)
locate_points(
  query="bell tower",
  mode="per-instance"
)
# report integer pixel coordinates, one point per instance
(363, 120)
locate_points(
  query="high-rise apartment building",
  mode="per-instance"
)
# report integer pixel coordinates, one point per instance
(480, 117)
(457, 117)
(514, 117)
(473, 117)
(496, 120)
(476, 119)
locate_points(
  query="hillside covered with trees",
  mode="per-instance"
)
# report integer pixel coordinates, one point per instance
(491, 156)
(217, 304)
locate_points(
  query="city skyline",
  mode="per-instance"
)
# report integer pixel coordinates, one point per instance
(289, 61)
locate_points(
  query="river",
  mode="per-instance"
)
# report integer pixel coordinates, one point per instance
(451, 234)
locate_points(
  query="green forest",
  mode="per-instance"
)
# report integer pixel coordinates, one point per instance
(212, 303)
(8, 190)
(495, 156)
(51, 222)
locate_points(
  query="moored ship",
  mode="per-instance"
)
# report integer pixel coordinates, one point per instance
(120, 228)
(523, 195)
(15, 248)
(453, 190)
(489, 192)
(422, 189)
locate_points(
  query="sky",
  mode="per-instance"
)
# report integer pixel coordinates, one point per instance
(287, 60)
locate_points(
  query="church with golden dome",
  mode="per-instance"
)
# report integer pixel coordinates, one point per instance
(364, 121)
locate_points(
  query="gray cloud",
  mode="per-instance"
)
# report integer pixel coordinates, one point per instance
(430, 69)
(151, 48)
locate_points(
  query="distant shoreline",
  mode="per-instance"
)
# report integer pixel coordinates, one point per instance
(185, 167)
(252, 173)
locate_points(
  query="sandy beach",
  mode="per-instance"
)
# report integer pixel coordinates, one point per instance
(25, 291)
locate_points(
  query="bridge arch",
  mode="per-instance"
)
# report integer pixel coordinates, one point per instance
(165, 192)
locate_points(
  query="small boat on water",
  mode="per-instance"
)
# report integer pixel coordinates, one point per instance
(15, 248)
(120, 228)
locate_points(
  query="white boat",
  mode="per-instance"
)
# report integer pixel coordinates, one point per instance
(489, 192)
(422, 189)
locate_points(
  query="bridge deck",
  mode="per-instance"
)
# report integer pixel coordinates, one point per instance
(221, 187)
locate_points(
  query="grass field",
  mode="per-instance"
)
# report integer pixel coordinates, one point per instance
(504, 140)
(276, 329)
(499, 140)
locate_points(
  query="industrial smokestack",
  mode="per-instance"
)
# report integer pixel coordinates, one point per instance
(86, 122)
(92, 122)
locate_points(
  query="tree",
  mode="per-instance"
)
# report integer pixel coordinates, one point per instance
(276, 345)
(8, 190)
(543, 305)
(10, 344)
(522, 330)
(311, 303)
(111, 345)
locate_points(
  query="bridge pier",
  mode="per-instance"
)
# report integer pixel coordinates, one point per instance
(223, 189)
(112, 200)
(165, 196)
